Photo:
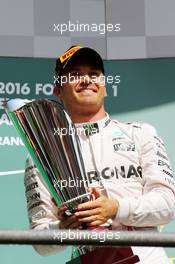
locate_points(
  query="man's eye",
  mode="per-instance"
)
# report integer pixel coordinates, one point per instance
(75, 74)
(94, 73)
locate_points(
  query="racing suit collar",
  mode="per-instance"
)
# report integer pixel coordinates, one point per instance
(91, 128)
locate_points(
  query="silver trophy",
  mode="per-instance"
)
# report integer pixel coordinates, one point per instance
(51, 139)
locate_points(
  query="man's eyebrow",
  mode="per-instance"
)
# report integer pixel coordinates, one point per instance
(75, 69)
(79, 69)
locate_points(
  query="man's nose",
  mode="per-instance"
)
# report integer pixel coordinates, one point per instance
(86, 79)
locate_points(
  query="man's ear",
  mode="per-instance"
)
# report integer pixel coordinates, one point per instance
(106, 92)
(56, 91)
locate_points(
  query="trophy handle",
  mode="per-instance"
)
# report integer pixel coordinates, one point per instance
(74, 202)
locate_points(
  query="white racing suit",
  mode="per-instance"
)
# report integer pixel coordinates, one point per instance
(128, 161)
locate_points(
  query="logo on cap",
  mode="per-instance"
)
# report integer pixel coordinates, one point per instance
(69, 53)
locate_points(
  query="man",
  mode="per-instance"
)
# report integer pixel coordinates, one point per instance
(129, 161)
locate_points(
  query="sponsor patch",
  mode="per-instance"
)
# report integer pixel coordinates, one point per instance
(34, 196)
(159, 143)
(31, 186)
(125, 146)
(108, 173)
(34, 205)
(162, 155)
(69, 53)
(168, 173)
(91, 129)
(163, 163)
(40, 213)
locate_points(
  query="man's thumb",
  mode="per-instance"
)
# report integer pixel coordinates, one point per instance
(95, 192)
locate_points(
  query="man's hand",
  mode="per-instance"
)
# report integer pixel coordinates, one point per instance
(67, 222)
(97, 212)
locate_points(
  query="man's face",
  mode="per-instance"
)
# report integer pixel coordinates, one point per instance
(83, 88)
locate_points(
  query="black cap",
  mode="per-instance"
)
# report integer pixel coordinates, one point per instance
(78, 52)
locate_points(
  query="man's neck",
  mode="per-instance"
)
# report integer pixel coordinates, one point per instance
(88, 116)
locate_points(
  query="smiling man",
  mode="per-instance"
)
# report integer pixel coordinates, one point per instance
(83, 78)
(129, 161)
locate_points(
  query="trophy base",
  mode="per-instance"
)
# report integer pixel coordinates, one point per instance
(107, 255)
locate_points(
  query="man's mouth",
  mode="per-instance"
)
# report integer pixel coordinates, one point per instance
(86, 89)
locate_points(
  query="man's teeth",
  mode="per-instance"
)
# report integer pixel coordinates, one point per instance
(84, 89)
